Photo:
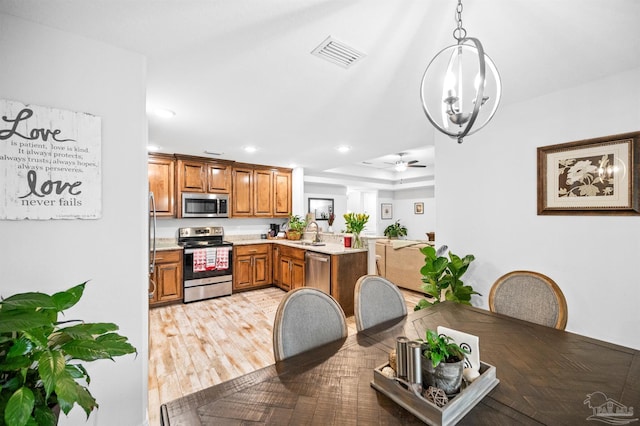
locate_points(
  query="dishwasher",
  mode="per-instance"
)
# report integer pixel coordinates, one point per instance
(318, 271)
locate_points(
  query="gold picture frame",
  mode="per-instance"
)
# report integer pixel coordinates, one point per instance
(418, 208)
(590, 177)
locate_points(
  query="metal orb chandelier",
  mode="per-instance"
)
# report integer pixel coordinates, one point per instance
(461, 87)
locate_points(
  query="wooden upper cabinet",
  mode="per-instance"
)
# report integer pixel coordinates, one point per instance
(254, 191)
(260, 192)
(161, 172)
(263, 193)
(195, 175)
(242, 193)
(192, 176)
(218, 178)
(199, 175)
(281, 193)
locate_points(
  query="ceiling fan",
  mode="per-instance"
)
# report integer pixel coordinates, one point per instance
(401, 165)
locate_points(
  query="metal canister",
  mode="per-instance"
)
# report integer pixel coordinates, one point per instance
(401, 356)
(414, 362)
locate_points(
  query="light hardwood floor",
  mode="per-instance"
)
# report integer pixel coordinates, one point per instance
(196, 345)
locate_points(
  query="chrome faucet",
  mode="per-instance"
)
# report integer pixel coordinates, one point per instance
(316, 239)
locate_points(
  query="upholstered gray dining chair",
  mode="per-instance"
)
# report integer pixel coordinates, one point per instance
(529, 296)
(377, 300)
(305, 319)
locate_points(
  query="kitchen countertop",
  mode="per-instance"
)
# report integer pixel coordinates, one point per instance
(163, 244)
(328, 248)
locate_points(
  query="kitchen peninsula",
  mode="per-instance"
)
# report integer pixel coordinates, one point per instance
(259, 263)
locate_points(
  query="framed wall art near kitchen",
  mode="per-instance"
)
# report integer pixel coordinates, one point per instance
(321, 208)
(418, 208)
(386, 211)
(590, 177)
(50, 163)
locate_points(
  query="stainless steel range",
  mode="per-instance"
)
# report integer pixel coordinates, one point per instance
(208, 263)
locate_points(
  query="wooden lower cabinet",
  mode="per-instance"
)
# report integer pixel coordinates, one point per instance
(260, 265)
(252, 266)
(275, 255)
(345, 271)
(167, 278)
(291, 269)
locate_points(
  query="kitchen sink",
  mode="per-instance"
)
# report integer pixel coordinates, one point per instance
(310, 243)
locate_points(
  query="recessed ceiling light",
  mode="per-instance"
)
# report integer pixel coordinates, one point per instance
(344, 148)
(164, 113)
(250, 149)
(153, 148)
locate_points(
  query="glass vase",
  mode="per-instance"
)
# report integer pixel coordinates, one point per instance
(357, 241)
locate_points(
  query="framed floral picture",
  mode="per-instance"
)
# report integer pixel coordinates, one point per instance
(590, 177)
(386, 211)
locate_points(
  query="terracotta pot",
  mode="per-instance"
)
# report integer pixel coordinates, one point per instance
(446, 376)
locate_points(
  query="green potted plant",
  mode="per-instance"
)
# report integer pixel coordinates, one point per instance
(442, 362)
(441, 278)
(40, 369)
(395, 230)
(296, 227)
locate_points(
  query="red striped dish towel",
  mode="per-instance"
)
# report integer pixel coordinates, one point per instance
(199, 260)
(222, 258)
(211, 259)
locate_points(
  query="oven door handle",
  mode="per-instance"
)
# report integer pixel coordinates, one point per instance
(192, 250)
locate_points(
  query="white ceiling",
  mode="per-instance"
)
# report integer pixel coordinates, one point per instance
(240, 72)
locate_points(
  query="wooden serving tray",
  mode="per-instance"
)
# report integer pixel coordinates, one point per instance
(407, 397)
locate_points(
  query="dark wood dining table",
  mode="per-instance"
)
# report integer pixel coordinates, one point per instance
(547, 376)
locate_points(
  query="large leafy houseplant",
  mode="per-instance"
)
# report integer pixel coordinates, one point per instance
(441, 278)
(395, 230)
(40, 369)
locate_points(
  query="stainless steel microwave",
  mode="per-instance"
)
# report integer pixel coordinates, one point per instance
(205, 205)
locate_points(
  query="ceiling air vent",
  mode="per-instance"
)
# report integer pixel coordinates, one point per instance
(337, 52)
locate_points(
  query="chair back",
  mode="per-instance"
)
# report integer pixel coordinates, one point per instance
(529, 296)
(377, 300)
(305, 319)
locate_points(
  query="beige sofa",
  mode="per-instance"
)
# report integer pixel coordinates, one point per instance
(400, 261)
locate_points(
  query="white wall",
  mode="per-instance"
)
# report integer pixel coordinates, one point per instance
(356, 200)
(403, 209)
(487, 207)
(339, 195)
(46, 67)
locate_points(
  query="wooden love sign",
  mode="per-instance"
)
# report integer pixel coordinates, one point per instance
(50, 163)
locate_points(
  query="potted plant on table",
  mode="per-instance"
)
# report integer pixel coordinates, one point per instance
(442, 363)
(441, 278)
(40, 372)
(355, 224)
(395, 230)
(296, 227)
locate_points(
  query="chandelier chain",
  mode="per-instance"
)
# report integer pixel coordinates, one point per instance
(459, 33)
